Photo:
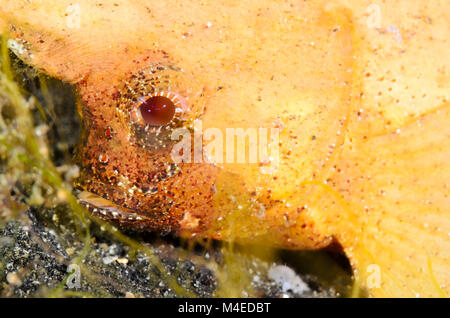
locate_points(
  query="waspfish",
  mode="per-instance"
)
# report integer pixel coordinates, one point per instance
(352, 98)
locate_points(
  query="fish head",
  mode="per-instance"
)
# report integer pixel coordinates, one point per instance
(254, 117)
(253, 101)
(291, 124)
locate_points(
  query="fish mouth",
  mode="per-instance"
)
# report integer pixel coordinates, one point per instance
(106, 209)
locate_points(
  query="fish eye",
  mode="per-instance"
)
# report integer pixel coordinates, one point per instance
(154, 101)
(157, 110)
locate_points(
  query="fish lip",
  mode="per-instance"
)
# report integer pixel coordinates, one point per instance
(107, 209)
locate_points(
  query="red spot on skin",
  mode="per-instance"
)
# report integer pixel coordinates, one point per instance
(157, 110)
(108, 132)
(103, 158)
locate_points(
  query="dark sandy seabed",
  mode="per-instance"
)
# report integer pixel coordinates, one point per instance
(39, 241)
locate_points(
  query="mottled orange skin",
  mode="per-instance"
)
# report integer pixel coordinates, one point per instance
(358, 88)
(161, 197)
(197, 195)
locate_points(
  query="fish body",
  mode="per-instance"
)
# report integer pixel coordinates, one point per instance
(357, 131)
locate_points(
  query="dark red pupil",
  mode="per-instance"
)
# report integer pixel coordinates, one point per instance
(157, 110)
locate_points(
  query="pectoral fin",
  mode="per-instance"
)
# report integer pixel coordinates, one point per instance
(388, 204)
